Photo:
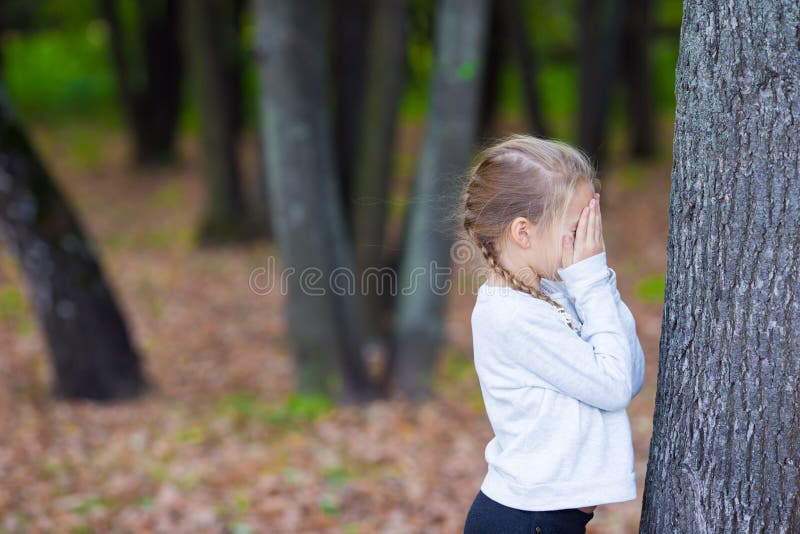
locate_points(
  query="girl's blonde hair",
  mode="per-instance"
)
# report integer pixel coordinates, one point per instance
(520, 176)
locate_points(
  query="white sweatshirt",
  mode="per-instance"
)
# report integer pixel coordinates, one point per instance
(555, 399)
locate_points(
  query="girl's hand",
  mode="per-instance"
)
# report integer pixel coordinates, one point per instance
(588, 237)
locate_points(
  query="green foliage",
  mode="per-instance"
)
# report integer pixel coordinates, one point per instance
(456, 365)
(12, 303)
(146, 502)
(633, 175)
(70, 14)
(193, 435)
(664, 54)
(467, 70)
(14, 308)
(337, 476)
(169, 195)
(60, 73)
(300, 407)
(328, 505)
(92, 503)
(295, 410)
(651, 288)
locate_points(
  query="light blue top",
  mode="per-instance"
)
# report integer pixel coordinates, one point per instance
(557, 399)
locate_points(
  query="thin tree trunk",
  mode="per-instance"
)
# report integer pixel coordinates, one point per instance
(600, 30)
(92, 354)
(725, 450)
(385, 79)
(636, 73)
(210, 53)
(496, 55)
(520, 43)
(149, 86)
(323, 315)
(460, 48)
(350, 33)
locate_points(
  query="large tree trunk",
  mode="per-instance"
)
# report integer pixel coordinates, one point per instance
(323, 315)
(210, 28)
(725, 451)
(385, 82)
(460, 39)
(93, 357)
(149, 86)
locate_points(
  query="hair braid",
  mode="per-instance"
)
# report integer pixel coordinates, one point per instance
(489, 254)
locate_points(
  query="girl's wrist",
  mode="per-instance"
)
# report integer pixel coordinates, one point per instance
(585, 271)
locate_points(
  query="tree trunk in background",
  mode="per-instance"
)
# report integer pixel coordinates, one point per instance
(385, 83)
(516, 23)
(636, 72)
(460, 47)
(323, 326)
(210, 27)
(150, 86)
(600, 33)
(725, 450)
(92, 354)
(349, 31)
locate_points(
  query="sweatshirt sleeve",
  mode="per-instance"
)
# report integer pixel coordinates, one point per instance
(595, 367)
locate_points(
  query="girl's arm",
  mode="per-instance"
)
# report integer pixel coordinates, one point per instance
(596, 367)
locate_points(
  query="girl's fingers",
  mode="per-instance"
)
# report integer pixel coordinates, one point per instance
(580, 233)
(591, 232)
(599, 219)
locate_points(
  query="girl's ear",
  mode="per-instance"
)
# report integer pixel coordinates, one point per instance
(521, 231)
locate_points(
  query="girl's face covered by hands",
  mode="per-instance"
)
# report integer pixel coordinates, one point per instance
(584, 237)
(577, 236)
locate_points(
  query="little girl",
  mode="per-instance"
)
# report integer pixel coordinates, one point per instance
(556, 351)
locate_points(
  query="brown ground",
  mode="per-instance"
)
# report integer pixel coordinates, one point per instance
(220, 447)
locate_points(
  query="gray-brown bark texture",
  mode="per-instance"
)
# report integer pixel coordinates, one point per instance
(460, 42)
(324, 320)
(385, 76)
(725, 451)
(92, 353)
(209, 29)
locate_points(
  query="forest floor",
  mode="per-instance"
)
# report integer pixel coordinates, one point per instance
(222, 444)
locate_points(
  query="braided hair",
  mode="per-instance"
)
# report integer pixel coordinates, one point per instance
(520, 175)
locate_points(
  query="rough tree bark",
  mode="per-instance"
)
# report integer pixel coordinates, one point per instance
(92, 354)
(725, 450)
(460, 42)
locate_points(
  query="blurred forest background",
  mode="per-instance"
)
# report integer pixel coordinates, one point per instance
(182, 398)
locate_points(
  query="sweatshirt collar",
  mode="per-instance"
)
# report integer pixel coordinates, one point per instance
(553, 287)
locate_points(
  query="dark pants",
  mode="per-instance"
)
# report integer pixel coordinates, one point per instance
(487, 516)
